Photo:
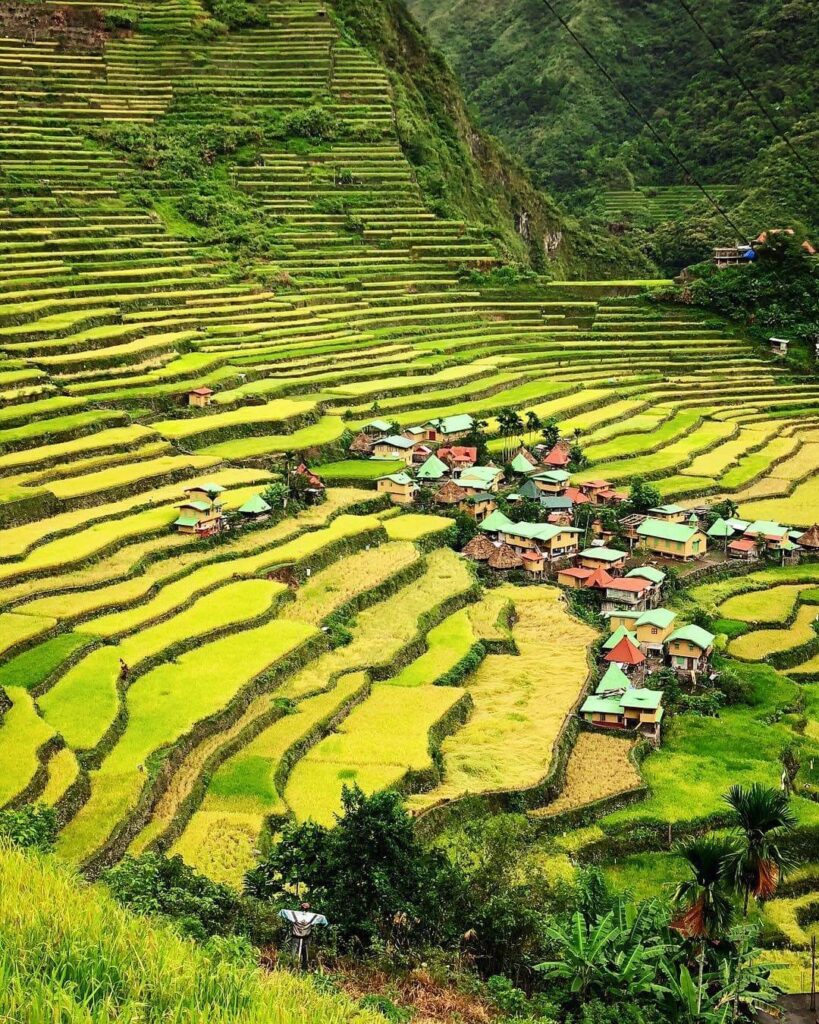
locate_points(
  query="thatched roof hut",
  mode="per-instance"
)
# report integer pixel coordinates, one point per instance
(504, 557)
(810, 538)
(450, 494)
(480, 548)
(361, 445)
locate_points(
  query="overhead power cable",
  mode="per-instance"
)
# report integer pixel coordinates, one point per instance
(780, 131)
(639, 114)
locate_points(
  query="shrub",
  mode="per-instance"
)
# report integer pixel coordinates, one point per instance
(152, 884)
(31, 827)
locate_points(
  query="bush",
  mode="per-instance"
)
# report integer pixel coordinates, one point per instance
(153, 884)
(237, 13)
(33, 827)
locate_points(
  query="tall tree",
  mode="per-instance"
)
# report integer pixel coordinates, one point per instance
(704, 899)
(761, 817)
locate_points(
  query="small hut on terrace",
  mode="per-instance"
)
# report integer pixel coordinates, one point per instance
(809, 540)
(503, 558)
(450, 494)
(361, 445)
(480, 548)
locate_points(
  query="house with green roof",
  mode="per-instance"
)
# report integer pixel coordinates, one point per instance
(399, 487)
(602, 557)
(630, 708)
(669, 513)
(433, 469)
(378, 427)
(521, 465)
(200, 516)
(689, 648)
(720, 529)
(481, 478)
(254, 508)
(653, 629)
(552, 481)
(550, 539)
(617, 636)
(672, 540)
(449, 428)
(394, 447)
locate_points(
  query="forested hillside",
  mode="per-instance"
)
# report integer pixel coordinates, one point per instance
(535, 88)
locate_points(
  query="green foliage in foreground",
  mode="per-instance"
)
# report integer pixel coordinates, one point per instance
(69, 953)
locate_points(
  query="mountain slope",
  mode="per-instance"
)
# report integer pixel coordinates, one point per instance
(536, 89)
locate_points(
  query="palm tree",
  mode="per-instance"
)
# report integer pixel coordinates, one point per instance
(761, 817)
(532, 425)
(704, 899)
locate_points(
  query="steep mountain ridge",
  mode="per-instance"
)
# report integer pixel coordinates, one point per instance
(536, 89)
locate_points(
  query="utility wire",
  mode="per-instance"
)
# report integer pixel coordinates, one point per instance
(780, 131)
(639, 114)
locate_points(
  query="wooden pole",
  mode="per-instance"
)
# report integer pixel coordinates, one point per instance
(813, 973)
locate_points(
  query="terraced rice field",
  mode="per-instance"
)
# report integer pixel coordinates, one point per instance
(599, 766)
(237, 709)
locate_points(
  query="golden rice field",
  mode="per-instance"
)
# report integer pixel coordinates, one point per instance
(599, 766)
(521, 702)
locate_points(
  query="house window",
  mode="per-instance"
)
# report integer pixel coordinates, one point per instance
(696, 546)
(653, 630)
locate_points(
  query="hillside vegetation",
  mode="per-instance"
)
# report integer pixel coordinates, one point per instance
(69, 953)
(536, 89)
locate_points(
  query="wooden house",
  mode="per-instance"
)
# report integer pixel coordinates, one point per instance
(449, 428)
(627, 592)
(200, 397)
(479, 505)
(773, 534)
(458, 457)
(552, 481)
(523, 463)
(400, 487)
(208, 492)
(652, 630)
(672, 540)
(689, 648)
(669, 513)
(481, 478)
(199, 517)
(602, 558)
(616, 704)
(574, 578)
(534, 562)
(593, 489)
(378, 428)
(655, 577)
(744, 549)
(394, 447)
(809, 540)
(624, 617)
(552, 541)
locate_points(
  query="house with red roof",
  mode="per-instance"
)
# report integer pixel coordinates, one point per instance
(200, 397)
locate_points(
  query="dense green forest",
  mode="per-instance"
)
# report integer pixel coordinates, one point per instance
(534, 87)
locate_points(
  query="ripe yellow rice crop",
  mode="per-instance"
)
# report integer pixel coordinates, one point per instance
(599, 766)
(521, 701)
